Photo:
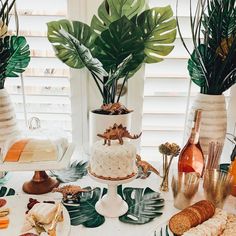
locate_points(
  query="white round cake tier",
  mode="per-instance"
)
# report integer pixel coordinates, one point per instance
(113, 162)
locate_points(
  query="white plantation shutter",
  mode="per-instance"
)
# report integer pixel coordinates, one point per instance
(166, 90)
(46, 82)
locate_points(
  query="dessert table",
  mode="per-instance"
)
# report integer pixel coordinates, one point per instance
(113, 227)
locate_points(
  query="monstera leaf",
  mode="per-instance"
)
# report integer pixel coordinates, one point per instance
(15, 57)
(76, 171)
(4, 191)
(114, 10)
(19, 56)
(158, 31)
(202, 56)
(73, 43)
(120, 40)
(144, 205)
(85, 213)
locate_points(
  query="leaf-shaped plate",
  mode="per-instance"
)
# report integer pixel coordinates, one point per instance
(76, 171)
(4, 191)
(144, 205)
(86, 213)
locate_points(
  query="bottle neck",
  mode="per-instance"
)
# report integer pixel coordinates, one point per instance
(194, 137)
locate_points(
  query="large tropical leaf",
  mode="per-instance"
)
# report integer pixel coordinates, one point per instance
(144, 205)
(201, 64)
(77, 170)
(120, 40)
(4, 191)
(158, 31)
(19, 56)
(4, 57)
(114, 10)
(14, 57)
(73, 42)
(85, 213)
(82, 55)
(219, 21)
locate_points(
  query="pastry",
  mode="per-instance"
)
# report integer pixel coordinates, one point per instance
(35, 150)
(190, 217)
(212, 227)
(43, 217)
(43, 213)
(4, 222)
(114, 162)
(4, 212)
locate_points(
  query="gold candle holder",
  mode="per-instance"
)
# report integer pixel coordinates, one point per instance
(217, 186)
(184, 187)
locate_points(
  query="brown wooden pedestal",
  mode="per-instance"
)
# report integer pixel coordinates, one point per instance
(41, 183)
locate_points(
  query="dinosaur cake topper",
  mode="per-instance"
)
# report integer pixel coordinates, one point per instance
(117, 132)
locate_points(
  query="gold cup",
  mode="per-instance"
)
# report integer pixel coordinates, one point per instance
(184, 187)
(217, 186)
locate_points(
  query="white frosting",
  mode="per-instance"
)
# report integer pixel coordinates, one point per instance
(114, 161)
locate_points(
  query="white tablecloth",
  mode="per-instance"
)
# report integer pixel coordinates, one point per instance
(113, 227)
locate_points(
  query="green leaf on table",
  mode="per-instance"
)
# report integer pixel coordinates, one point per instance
(4, 191)
(86, 213)
(76, 171)
(144, 205)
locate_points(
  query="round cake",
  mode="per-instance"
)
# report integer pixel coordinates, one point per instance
(114, 162)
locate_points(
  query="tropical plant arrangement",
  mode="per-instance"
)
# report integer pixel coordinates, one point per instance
(212, 64)
(123, 36)
(14, 53)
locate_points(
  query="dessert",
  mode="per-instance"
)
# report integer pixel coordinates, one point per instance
(4, 212)
(35, 150)
(191, 217)
(114, 160)
(43, 217)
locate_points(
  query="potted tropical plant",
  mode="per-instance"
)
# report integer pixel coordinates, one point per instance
(123, 36)
(212, 64)
(15, 57)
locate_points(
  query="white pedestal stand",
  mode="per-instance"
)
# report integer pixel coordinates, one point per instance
(112, 205)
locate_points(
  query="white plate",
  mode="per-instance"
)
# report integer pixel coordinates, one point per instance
(18, 207)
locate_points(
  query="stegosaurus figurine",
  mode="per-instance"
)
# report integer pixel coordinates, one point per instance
(70, 192)
(117, 132)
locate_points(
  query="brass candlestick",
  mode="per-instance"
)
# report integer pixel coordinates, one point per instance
(40, 183)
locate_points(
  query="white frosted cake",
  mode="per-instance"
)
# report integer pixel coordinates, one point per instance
(114, 162)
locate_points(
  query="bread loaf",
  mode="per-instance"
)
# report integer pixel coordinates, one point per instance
(191, 217)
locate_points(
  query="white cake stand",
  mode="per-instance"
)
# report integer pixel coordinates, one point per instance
(111, 204)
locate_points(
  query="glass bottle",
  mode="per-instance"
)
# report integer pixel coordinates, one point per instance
(191, 158)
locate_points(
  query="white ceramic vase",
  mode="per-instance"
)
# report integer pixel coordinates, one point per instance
(214, 119)
(8, 123)
(98, 123)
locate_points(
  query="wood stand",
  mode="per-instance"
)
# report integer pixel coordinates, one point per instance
(41, 183)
